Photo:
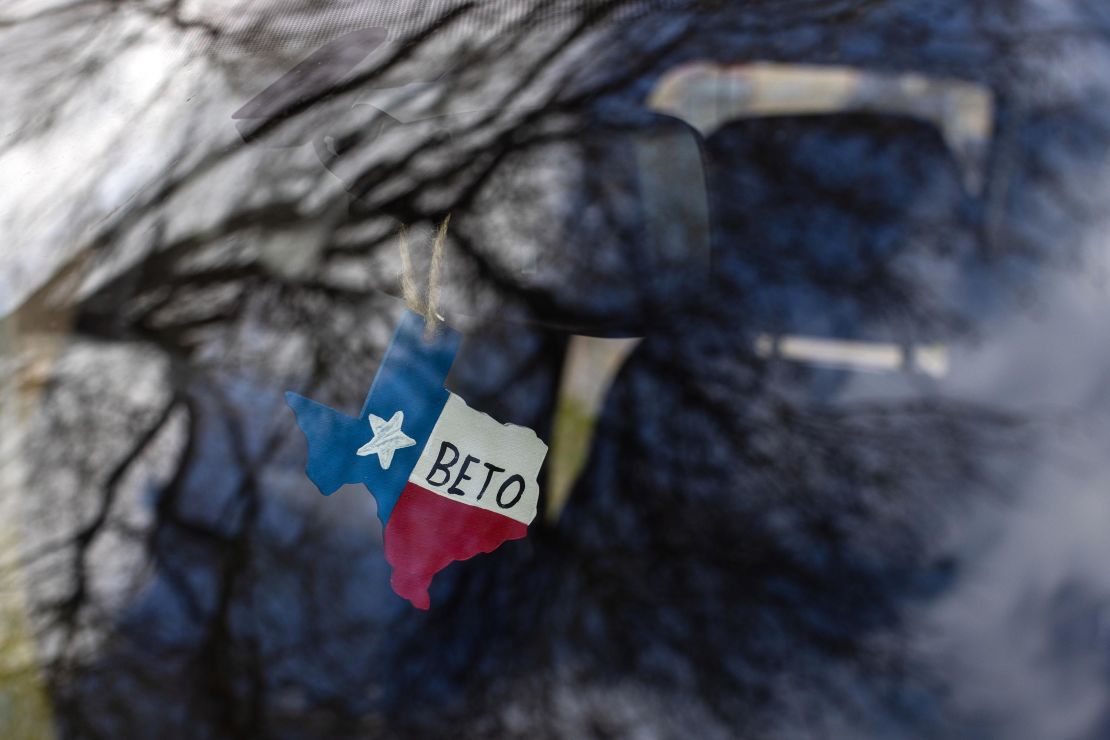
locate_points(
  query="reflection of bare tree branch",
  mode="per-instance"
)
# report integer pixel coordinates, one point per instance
(743, 547)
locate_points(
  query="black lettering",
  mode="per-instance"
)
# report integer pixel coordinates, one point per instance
(519, 479)
(454, 489)
(489, 476)
(440, 465)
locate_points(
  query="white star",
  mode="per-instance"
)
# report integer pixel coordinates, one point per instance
(388, 438)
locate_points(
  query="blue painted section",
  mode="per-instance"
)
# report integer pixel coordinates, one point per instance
(411, 379)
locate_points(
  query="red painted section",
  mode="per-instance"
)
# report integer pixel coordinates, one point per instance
(427, 532)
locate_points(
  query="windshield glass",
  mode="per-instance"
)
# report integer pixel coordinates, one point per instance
(804, 302)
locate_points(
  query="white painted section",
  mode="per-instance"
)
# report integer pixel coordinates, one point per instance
(516, 449)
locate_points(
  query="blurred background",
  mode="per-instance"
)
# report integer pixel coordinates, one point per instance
(809, 298)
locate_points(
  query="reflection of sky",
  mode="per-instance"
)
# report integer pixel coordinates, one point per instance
(78, 149)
